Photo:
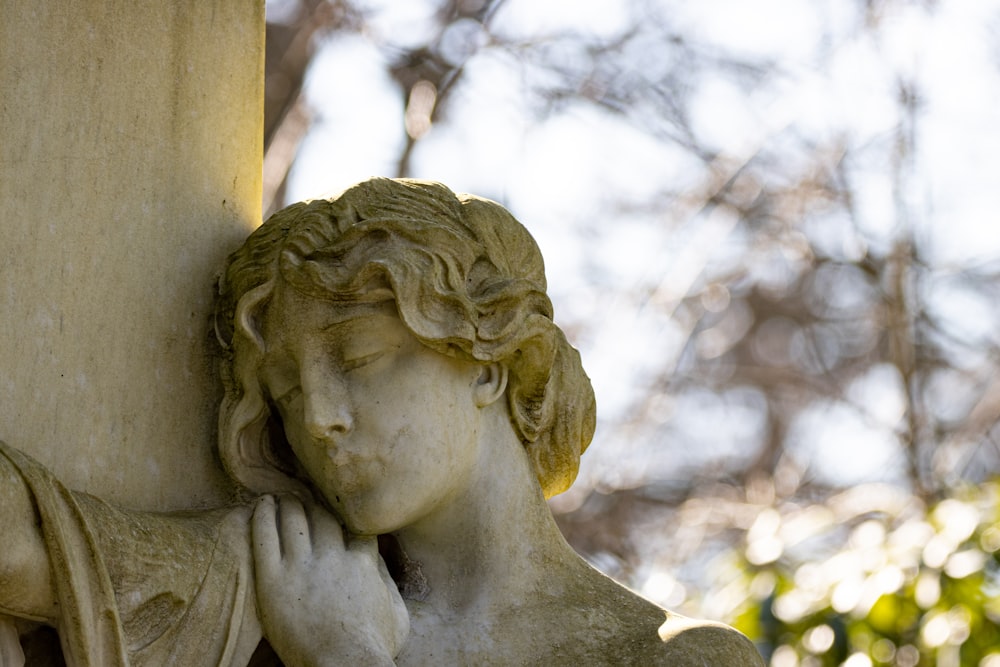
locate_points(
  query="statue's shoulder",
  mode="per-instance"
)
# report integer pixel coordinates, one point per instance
(690, 642)
(627, 629)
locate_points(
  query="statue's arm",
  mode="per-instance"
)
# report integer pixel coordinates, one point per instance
(25, 572)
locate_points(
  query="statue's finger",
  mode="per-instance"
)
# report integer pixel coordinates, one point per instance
(390, 583)
(401, 616)
(327, 533)
(293, 528)
(266, 545)
(363, 545)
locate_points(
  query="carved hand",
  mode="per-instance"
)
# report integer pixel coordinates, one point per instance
(321, 601)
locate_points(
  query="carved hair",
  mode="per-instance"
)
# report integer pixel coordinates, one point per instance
(467, 280)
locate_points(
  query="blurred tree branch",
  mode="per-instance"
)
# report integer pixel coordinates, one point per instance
(789, 298)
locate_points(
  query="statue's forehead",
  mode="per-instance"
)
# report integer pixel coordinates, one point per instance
(291, 310)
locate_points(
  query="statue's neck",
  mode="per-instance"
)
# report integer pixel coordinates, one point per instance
(491, 544)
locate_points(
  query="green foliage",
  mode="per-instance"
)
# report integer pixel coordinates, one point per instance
(915, 587)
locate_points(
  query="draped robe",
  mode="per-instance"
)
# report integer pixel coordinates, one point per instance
(141, 588)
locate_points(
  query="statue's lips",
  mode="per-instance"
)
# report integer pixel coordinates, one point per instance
(352, 473)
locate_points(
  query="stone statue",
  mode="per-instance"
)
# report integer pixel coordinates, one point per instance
(400, 404)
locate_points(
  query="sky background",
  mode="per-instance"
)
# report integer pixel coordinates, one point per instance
(569, 175)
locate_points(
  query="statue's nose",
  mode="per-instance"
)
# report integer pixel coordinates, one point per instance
(327, 408)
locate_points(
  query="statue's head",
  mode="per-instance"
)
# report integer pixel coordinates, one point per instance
(467, 281)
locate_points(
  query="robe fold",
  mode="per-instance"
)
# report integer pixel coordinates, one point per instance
(144, 588)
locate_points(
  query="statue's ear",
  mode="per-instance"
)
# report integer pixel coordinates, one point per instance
(491, 384)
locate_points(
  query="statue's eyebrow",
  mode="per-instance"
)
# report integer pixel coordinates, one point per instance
(363, 314)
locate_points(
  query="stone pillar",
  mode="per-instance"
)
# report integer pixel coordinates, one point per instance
(130, 159)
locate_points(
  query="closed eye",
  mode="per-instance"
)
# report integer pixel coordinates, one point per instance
(364, 360)
(288, 395)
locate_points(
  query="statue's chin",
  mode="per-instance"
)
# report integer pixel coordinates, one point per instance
(361, 516)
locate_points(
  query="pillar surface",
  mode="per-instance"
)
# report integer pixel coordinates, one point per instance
(130, 155)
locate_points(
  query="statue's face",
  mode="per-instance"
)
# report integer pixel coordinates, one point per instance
(384, 426)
